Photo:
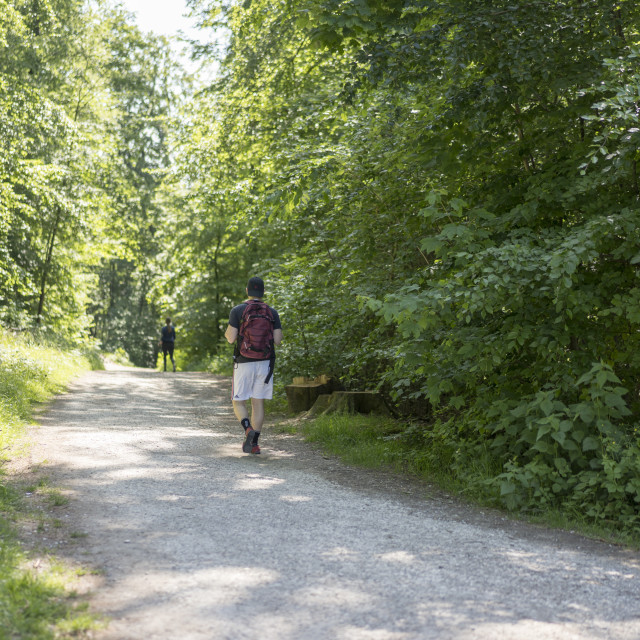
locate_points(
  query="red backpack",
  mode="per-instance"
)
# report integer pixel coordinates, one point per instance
(255, 334)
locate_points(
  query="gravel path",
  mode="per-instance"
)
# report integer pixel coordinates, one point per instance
(196, 540)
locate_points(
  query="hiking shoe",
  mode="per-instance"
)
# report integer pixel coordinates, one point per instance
(255, 449)
(247, 445)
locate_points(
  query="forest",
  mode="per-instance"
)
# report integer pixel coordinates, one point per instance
(442, 197)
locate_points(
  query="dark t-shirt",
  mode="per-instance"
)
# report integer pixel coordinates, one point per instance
(168, 333)
(236, 316)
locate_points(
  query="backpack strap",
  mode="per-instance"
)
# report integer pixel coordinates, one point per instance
(240, 338)
(272, 365)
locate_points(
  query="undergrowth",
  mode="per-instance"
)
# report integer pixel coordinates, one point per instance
(33, 604)
(220, 364)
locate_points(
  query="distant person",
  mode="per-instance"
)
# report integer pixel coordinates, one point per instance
(256, 330)
(167, 342)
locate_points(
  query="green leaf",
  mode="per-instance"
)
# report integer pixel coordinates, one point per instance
(546, 406)
(431, 244)
(586, 413)
(507, 487)
(590, 444)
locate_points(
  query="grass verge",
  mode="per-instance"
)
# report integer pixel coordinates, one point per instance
(383, 443)
(35, 601)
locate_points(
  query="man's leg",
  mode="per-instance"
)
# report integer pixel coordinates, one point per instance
(257, 418)
(262, 390)
(257, 413)
(239, 390)
(240, 409)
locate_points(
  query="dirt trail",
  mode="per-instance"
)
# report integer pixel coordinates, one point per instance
(195, 540)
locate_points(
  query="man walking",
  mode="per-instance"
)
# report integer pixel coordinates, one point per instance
(256, 330)
(167, 342)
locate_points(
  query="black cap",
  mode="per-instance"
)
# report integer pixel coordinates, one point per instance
(255, 287)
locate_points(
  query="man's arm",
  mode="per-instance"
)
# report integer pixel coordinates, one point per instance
(231, 334)
(277, 336)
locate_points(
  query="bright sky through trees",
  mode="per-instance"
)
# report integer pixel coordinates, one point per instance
(167, 18)
(172, 19)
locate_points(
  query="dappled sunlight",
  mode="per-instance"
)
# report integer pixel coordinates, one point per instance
(190, 596)
(219, 496)
(341, 552)
(254, 481)
(538, 569)
(294, 499)
(323, 595)
(401, 557)
(443, 198)
(531, 630)
(172, 498)
(230, 449)
(358, 633)
(229, 584)
(282, 455)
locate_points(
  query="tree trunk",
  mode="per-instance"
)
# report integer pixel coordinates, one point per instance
(216, 275)
(302, 394)
(350, 402)
(46, 266)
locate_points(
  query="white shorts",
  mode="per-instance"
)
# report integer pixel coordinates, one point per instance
(249, 381)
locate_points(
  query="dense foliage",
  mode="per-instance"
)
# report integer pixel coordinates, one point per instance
(442, 196)
(84, 102)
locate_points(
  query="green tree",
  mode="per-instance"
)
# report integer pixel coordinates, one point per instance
(42, 203)
(143, 81)
(445, 196)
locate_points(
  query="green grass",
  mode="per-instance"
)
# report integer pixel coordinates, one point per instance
(279, 405)
(370, 441)
(379, 442)
(119, 356)
(38, 605)
(32, 373)
(34, 604)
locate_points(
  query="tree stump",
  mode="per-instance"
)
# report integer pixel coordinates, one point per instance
(349, 402)
(303, 393)
(319, 406)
